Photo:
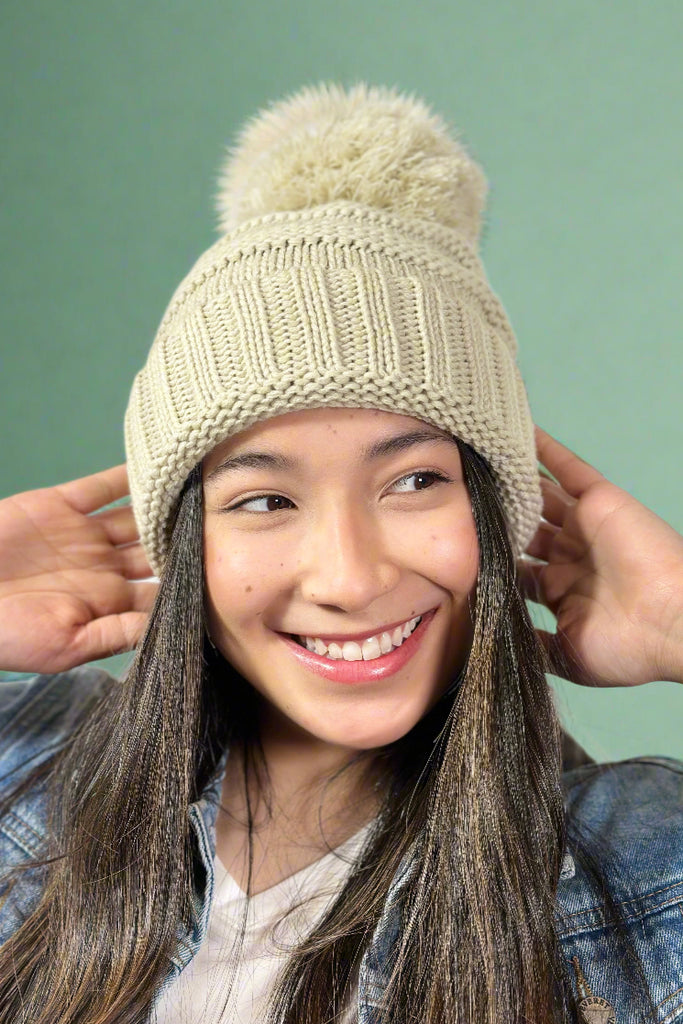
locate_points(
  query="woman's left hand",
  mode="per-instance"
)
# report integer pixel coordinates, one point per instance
(611, 571)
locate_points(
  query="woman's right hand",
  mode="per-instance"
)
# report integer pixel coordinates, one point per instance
(70, 575)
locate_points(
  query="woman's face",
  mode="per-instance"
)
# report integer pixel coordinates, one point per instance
(337, 529)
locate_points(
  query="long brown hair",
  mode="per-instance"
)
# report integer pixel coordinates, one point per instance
(475, 809)
(472, 818)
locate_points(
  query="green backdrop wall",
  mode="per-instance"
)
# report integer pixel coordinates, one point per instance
(114, 120)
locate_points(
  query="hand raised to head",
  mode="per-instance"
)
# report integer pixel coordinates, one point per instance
(70, 575)
(611, 571)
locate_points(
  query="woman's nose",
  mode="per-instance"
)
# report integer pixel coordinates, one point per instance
(345, 563)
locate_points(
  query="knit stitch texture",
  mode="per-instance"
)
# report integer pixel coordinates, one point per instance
(339, 304)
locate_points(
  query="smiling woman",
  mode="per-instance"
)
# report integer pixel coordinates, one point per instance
(361, 538)
(330, 786)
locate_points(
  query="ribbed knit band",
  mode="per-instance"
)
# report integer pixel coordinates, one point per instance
(339, 305)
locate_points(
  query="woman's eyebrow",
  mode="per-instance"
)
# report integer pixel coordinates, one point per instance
(274, 460)
(399, 443)
(251, 460)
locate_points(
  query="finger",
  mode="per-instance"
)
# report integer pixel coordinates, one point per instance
(560, 579)
(143, 596)
(557, 662)
(529, 579)
(92, 492)
(118, 524)
(569, 470)
(115, 596)
(110, 635)
(556, 502)
(133, 562)
(544, 584)
(542, 541)
(561, 663)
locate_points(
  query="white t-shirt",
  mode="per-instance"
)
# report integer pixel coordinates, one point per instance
(245, 974)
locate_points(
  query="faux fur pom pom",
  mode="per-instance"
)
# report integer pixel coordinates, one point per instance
(368, 145)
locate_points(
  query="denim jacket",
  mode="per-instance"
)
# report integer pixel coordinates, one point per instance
(630, 812)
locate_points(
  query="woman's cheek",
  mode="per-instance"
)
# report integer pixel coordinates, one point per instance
(242, 574)
(451, 553)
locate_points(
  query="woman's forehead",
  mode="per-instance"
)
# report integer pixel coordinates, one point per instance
(302, 428)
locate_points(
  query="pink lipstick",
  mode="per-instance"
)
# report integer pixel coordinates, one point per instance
(341, 671)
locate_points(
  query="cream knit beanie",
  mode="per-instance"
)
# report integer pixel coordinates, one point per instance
(346, 275)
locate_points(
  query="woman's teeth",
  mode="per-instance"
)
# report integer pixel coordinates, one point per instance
(366, 650)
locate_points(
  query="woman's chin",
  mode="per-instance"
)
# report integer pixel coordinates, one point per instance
(366, 735)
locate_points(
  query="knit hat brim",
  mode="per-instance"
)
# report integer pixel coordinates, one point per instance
(337, 306)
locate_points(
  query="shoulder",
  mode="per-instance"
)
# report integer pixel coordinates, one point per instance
(624, 863)
(37, 713)
(623, 802)
(628, 818)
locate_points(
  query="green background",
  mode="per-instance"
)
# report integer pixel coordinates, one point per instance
(114, 121)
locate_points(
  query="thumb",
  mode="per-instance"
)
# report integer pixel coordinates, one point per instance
(560, 662)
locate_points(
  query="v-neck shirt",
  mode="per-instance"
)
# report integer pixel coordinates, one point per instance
(230, 981)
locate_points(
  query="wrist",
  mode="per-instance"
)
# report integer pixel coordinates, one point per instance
(675, 665)
(670, 661)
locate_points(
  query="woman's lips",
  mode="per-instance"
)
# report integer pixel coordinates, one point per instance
(341, 671)
(333, 637)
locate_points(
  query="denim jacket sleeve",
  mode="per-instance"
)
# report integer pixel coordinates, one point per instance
(629, 817)
(37, 714)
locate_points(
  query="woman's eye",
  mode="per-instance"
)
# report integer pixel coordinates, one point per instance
(418, 481)
(264, 503)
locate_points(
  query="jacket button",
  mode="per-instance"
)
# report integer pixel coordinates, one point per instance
(595, 1010)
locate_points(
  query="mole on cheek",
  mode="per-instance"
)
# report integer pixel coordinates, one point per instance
(247, 589)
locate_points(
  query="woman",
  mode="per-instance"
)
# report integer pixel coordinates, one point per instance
(338, 705)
